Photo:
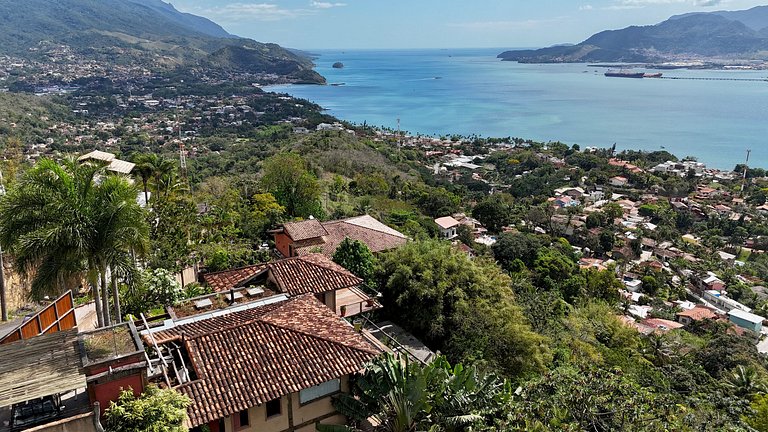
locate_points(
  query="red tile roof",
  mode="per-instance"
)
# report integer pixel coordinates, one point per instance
(313, 273)
(304, 230)
(377, 236)
(698, 313)
(247, 358)
(224, 280)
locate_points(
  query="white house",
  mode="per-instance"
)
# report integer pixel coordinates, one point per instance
(448, 227)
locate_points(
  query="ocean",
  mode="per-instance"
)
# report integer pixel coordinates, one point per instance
(470, 92)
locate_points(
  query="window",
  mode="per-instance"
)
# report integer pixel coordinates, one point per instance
(273, 408)
(241, 420)
(313, 393)
(244, 419)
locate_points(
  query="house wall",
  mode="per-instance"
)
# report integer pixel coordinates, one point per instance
(282, 244)
(110, 391)
(294, 416)
(79, 423)
(755, 327)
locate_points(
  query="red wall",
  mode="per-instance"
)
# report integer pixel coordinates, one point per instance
(282, 244)
(110, 391)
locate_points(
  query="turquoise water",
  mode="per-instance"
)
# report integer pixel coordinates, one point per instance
(716, 121)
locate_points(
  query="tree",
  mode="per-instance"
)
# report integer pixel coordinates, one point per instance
(404, 396)
(287, 178)
(71, 220)
(155, 410)
(355, 256)
(493, 212)
(461, 306)
(516, 246)
(438, 202)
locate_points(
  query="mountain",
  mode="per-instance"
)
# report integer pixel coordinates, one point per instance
(147, 32)
(739, 35)
(755, 18)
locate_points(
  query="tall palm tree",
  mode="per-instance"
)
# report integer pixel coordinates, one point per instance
(145, 169)
(65, 221)
(161, 171)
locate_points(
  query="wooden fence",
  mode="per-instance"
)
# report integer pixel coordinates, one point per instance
(58, 316)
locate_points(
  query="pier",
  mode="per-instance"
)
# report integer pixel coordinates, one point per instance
(711, 79)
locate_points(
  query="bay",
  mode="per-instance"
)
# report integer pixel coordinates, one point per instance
(469, 91)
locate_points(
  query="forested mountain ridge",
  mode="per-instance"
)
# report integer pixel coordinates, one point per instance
(146, 33)
(733, 35)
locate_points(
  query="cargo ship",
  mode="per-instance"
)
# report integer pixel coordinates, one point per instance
(625, 74)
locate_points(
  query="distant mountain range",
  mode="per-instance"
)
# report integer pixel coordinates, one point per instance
(149, 32)
(738, 35)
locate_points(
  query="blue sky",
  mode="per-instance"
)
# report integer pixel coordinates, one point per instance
(437, 23)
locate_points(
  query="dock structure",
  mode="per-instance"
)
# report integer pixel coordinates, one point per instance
(712, 79)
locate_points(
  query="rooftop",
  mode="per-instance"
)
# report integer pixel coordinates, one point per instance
(746, 316)
(246, 358)
(446, 222)
(42, 366)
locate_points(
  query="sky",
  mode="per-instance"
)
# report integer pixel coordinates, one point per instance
(382, 24)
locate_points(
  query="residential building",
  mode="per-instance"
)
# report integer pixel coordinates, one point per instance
(270, 365)
(314, 274)
(698, 313)
(448, 227)
(114, 164)
(618, 181)
(746, 320)
(312, 236)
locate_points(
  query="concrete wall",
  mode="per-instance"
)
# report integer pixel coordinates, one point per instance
(16, 286)
(188, 275)
(80, 423)
(293, 415)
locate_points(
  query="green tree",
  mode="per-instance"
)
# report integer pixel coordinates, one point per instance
(155, 410)
(355, 256)
(516, 246)
(287, 178)
(63, 221)
(404, 396)
(461, 306)
(494, 212)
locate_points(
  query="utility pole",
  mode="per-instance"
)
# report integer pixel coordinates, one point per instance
(746, 168)
(3, 305)
(399, 137)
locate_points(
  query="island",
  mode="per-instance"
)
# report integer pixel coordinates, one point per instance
(338, 65)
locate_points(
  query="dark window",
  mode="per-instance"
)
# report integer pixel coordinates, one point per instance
(273, 408)
(244, 420)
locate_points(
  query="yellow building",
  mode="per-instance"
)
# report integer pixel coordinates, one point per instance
(270, 367)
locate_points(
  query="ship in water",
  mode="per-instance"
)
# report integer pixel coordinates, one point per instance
(625, 74)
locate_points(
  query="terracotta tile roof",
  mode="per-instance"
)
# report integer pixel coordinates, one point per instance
(304, 230)
(313, 273)
(251, 357)
(377, 236)
(698, 313)
(224, 280)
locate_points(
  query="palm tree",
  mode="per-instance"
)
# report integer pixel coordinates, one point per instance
(145, 169)
(745, 382)
(65, 221)
(399, 396)
(158, 169)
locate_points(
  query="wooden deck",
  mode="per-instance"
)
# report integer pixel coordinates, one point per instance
(356, 302)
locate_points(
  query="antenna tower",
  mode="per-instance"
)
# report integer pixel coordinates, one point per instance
(746, 168)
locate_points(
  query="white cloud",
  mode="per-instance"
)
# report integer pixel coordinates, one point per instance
(637, 4)
(326, 5)
(236, 12)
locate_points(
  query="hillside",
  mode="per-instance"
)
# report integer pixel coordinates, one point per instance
(148, 33)
(722, 35)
